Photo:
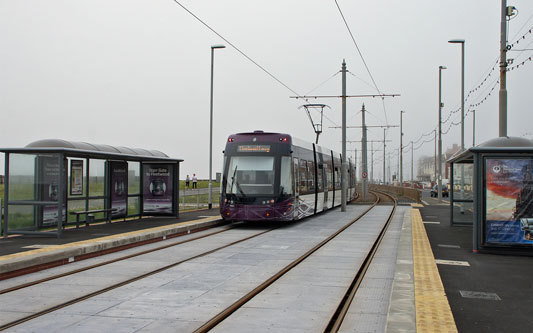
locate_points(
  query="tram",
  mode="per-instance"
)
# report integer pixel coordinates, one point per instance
(275, 177)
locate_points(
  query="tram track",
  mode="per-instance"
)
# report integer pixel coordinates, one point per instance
(119, 284)
(342, 309)
(222, 315)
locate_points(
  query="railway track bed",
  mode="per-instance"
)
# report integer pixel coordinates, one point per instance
(186, 296)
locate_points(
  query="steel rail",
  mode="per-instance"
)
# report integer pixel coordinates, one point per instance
(338, 317)
(123, 283)
(57, 276)
(243, 300)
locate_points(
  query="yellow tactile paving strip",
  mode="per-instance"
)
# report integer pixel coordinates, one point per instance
(101, 239)
(433, 313)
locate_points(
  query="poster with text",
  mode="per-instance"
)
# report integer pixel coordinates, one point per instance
(49, 188)
(119, 189)
(509, 201)
(76, 177)
(157, 189)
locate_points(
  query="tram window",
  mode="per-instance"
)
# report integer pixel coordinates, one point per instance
(337, 178)
(285, 182)
(311, 175)
(319, 175)
(329, 177)
(303, 176)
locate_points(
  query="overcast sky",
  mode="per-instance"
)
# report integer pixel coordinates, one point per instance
(137, 73)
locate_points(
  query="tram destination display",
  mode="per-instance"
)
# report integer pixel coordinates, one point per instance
(509, 201)
(253, 149)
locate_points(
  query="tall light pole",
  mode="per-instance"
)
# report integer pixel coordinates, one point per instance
(474, 128)
(210, 202)
(440, 136)
(502, 107)
(401, 148)
(462, 42)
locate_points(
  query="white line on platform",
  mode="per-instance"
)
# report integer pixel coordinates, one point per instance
(431, 216)
(430, 222)
(452, 262)
(480, 295)
(425, 203)
(37, 246)
(449, 246)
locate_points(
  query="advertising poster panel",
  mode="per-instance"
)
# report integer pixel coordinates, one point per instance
(157, 189)
(76, 177)
(509, 201)
(119, 189)
(49, 188)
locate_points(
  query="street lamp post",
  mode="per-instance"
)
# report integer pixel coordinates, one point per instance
(462, 42)
(401, 148)
(439, 189)
(210, 203)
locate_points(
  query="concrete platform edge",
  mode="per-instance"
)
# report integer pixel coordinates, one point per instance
(34, 258)
(401, 315)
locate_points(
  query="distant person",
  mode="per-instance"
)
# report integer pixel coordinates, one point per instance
(194, 181)
(187, 182)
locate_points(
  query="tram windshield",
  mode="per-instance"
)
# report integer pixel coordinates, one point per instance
(250, 175)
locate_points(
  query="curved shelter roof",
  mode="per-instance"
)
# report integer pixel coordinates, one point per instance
(77, 148)
(508, 144)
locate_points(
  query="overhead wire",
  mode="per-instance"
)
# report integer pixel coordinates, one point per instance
(236, 48)
(362, 58)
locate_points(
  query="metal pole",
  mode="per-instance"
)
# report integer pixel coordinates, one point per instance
(384, 145)
(343, 167)
(439, 190)
(372, 163)
(462, 42)
(210, 201)
(435, 159)
(401, 148)
(412, 164)
(365, 157)
(474, 129)
(503, 70)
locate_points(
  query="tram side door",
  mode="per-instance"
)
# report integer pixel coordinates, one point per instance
(296, 185)
(324, 185)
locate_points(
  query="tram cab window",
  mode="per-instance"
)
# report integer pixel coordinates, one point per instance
(303, 176)
(250, 175)
(285, 181)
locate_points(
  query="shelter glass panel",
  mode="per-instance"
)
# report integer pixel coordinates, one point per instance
(22, 177)
(96, 178)
(134, 206)
(463, 190)
(75, 206)
(95, 205)
(21, 217)
(134, 178)
(463, 212)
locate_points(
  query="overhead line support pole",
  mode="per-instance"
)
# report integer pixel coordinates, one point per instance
(343, 167)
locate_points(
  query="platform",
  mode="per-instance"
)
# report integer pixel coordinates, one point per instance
(419, 301)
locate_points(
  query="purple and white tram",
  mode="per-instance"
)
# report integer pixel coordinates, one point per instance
(273, 176)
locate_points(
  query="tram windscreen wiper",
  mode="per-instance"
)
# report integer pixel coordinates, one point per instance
(233, 179)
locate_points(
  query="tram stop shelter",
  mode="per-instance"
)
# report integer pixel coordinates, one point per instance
(50, 184)
(495, 195)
